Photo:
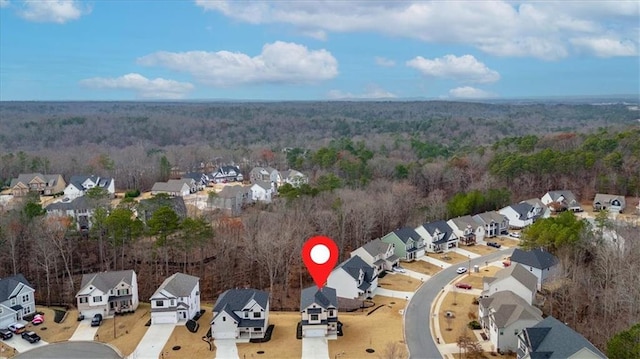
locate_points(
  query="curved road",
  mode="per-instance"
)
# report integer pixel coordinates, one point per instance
(417, 315)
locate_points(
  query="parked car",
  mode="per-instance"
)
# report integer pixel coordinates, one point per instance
(97, 320)
(461, 270)
(463, 286)
(17, 328)
(37, 319)
(494, 244)
(514, 234)
(399, 269)
(31, 337)
(5, 334)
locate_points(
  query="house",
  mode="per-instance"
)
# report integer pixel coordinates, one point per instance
(539, 208)
(193, 186)
(174, 187)
(319, 309)
(147, 207)
(559, 201)
(46, 185)
(353, 279)
(240, 314)
(467, 230)
(17, 299)
(407, 244)
(108, 293)
(80, 210)
(265, 174)
(520, 215)
(294, 178)
(503, 315)
(226, 174)
(538, 261)
(609, 202)
(378, 254)
(438, 236)
(494, 223)
(176, 300)
(79, 185)
(552, 339)
(200, 179)
(262, 191)
(231, 199)
(515, 278)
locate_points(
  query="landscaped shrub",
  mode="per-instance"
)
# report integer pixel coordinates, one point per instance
(132, 193)
(474, 325)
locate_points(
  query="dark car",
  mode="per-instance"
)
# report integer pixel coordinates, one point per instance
(494, 244)
(5, 334)
(31, 337)
(463, 286)
(97, 320)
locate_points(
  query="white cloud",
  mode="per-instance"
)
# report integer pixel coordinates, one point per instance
(58, 11)
(463, 68)
(371, 92)
(4, 3)
(384, 62)
(316, 34)
(469, 92)
(158, 88)
(279, 62)
(504, 28)
(606, 47)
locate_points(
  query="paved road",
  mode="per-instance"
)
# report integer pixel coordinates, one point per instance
(416, 323)
(72, 350)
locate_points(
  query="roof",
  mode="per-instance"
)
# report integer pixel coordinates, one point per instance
(508, 308)
(536, 258)
(440, 231)
(376, 247)
(150, 205)
(568, 196)
(405, 233)
(265, 185)
(551, 339)
(9, 284)
(325, 297)
(232, 191)
(353, 266)
(488, 217)
(169, 186)
(75, 204)
(101, 182)
(107, 280)
(465, 221)
(534, 202)
(179, 285)
(608, 198)
(28, 177)
(196, 176)
(233, 300)
(520, 273)
(522, 209)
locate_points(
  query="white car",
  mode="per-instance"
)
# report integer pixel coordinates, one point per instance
(461, 270)
(514, 234)
(17, 328)
(399, 269)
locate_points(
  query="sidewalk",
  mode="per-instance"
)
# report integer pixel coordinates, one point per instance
(417, 275)
(434, 261)
(466, 253)
(394, 293)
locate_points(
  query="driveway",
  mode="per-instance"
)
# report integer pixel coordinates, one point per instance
(393, 293)
(22, 345)
(315, 348)
(153, 341)
(226, 349)
(84, 331)
(417, 326)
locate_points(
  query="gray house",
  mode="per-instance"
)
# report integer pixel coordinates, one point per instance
(539, 262)
(319, 309)
(610, 202)
(240, 314)
(16, 299)
(79, 209)
(231, 199)
(438, 236)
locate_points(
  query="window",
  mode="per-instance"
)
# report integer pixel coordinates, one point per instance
(83, 300)
(224, 319)
(25, 298)
(314, 317)
(173, 302)
(331, 313)
(159, 303)
(246, 314)
(97, 298)
(257, 329)
(257, 314)
(25, 310)
(13, 301)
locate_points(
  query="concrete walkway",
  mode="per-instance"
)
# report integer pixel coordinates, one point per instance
(393, 293)
(153, 341)
(434, 261)
(417, 275)
(315, 348)
(227, 349)
(22, 345)
(466, 253)
(84, 331)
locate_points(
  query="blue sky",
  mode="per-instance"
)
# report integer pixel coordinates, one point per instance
(316, 50)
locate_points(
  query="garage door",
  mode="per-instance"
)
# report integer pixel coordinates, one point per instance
(313, 333)
(163, 318)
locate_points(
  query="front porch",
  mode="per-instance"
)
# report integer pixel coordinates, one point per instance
(120, 304)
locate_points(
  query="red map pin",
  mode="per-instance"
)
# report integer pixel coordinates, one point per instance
(320, 255)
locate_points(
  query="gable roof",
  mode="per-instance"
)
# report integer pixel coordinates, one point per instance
(9, 284)
(353, 266)
(101, 182)
(75, 204)
(536, 258)
(325, 297)
(445, 231)
(236, 299)
(522, 209)
(178, 284)
(150, 205)
(263, 184)
(376, 247)
(172, 185)
(25, 178)
(196, 176)
(405, 233)
(233, 191)
(488, 217)
(107, 280)
(465, 221)
(551, 339)
(520, 273)
(608, 198)
(509, 308)
(568, 196)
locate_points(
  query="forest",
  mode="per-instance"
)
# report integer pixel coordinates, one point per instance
(373, 167)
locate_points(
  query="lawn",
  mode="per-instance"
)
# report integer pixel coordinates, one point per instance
(509, 242)
(283, 343)
(449, 257)
(394, 281)
(191, 344)
(50, 331)
(463, 312)
(128, 329)
(480, 249)
(422, 267)
(475, 279)
(7, 351)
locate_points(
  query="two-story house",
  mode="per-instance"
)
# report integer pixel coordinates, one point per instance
(79, 185)
(226, 174)
(539, 262)
(46, 185)
(514, 278)
(16, 299)
(177, 299)
(241, 314)
(540, 210)
(173, 187)
(108, 293)
(609, 202)
(378, 254)
(353, 279)
(262, 191)
(231, 199)
(467, 230)
(265, 174)
(494, 223)
(520, 215)
(294, 178)
(407, 244)
(79, 209)
(559, 201)
(319, 309)
(438, 236)
(200, 179)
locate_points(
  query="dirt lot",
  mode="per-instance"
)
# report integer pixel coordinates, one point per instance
(509, 242)
(191, 344)
(464, 311)
(422, 267)
(399, 282)
(7, 351)
(129, 329)
(283, 343)
(55, 332)
(475, 279)
(480, 249)
(449, 257)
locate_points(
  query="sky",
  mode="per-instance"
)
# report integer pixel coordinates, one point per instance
(317, 50)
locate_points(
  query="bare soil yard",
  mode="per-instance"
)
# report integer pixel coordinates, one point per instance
(191, 344)
(283, 343)
(7, 351)
(480, 249)
(475, 279)
(52, 332)
(463, 312)
(129, 329)
(509, 242)
(399, 282)
(422, 267)
(449, 257)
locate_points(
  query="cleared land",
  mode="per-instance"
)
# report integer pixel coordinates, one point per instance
(509, 242)
(463, 311)
(449, 257)
(191, 344)
(480, 249)
(129, 329)
(52, 332)
(7, 351)
(422, 267)
(396, 281)
(475, 279)
(283, 343)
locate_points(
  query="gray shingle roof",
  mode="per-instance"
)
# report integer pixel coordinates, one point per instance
(353, 266)
(9, 284)
(76, 204)
(552, 339)
(488, 217)
(445, 231)
(405, 233)
(106, 280)
(463, 222)
(608, 198)
(233, 191)
(536, 258)
(28, 177)
(510, 308)
(569, 199)
(521, 274)
(179, 285)
(325, 297)
(237, 299)
(522, 209)
(101, 182)
(376, 247)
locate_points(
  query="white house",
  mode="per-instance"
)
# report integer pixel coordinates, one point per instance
(177, 299)
(262, 191)
(520, 215)
(240, 314)
(561, 200)
(540, 210)
(609, 202)
(225, 174)
(503, 315)
(494, 223)
(108, 293)
(294, 178)
(539, 262)
(79, 209)
(514, 278)
(353, 279)
(79, 185)
(265, 174)
(378, 254)
(172, 187)
(319, 310)
(438, 236)
(16, 299)
(468, 230)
